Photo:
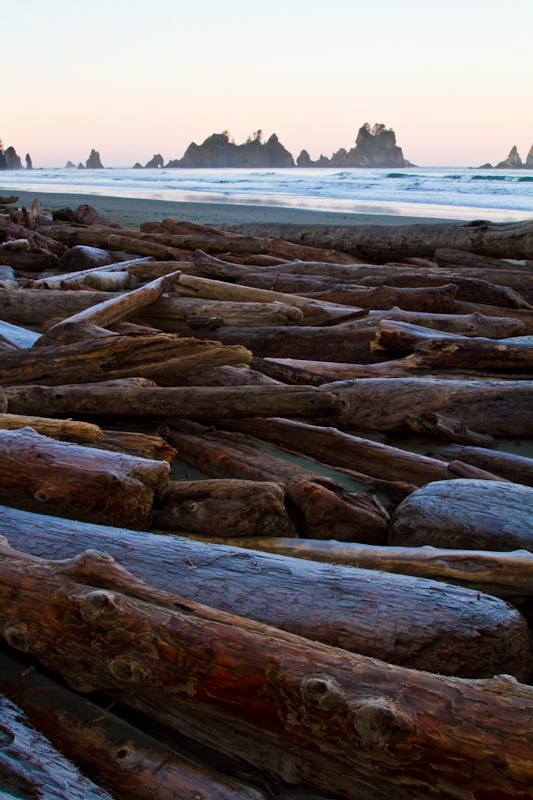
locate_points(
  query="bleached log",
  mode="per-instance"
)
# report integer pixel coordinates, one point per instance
(66, 429)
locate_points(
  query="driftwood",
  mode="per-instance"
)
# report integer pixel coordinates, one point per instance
(141, 445)
(225, 508)
(133, 765)
(339, 449)
(447, 257)
(17, 336)
(500, 408)
(57, 281)
(66, 429)
(114, 357)
(439, 299)
(521, 315)
(30, 767)
(196, 402)
(320, 507)
(503, 574)
(379, 711)
(389, 242)
(515, 468)
(477, 514)
(43, 474)
(446, 429)
(223, 376)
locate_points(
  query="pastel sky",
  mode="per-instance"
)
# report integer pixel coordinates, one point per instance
(454, 79)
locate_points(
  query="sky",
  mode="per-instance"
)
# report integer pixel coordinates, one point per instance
(453, 78)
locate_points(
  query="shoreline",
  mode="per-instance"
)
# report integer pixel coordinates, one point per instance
(130, 212)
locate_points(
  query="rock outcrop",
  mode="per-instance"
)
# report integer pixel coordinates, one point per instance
(70, 165)
(529, 159)
(93, 162)
(155, 162)
(9, 158)
(374, 147)
(29, 164)
(513, 161)
(218, 151)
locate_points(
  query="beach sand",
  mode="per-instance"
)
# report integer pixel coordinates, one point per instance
(130, 212)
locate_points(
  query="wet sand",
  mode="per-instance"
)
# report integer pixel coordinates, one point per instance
(130, 212)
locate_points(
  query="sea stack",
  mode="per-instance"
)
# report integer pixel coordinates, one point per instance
(93, 162)
(513, 161)
(374, 147)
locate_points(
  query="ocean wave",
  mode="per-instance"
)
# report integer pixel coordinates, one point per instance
(397, 175)
(526, 178)
(490, 177)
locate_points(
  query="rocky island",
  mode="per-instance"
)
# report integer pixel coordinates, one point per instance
(374, 147)
(513, 161)
(9, 158)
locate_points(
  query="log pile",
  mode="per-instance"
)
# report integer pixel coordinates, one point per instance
(269, 494)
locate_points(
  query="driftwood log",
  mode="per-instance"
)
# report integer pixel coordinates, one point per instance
(131, 764)
(390, 242)
(362, 718)
(466, 514)
(512, 467)
(225, 508)
(39, 473)
(333, 604)
(66, 429)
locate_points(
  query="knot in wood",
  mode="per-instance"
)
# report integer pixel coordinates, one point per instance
(128, 670)
(89, 556)
(97, 604)
(379, 722)
(18, 637)
(41, 496)
(322, 691)
(126, 757)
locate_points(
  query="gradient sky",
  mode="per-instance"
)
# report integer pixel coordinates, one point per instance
(454, 79)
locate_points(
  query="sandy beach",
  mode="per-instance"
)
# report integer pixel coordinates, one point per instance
(130, 212)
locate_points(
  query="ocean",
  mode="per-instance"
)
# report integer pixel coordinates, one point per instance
(497, 195)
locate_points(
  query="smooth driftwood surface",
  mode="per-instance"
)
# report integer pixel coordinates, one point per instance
(195, 402)
(111, 311)
(142, 445)
(114, 357)
(503, 574)
(446, 429)
(394, 242)
(39, 473)
(106, 630)
(439, 299)
(225, 508)
(66, 429)
(500, 408)
(340, 449)
(57, 281)
(334, 604)
(512, 467)
(130, 763)
(463, 514)
(321, 508)
(17, 336)
(30, 766)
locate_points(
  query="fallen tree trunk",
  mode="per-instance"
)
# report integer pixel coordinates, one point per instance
(195, 402)
(501, 408)
(446, 429)
(503, 574)
(334, 604)
(476, 514)
(521, 315)
(338, 449)
(38, 473)
(66, 429)
(140, 445)
(114, 357)
(448, 257)
(439, 299)
(133, 765)
(321, 507)
(515, 468)
(225, 508)
(30, 767)
(391, 242)
(57, 281)
(284, 686)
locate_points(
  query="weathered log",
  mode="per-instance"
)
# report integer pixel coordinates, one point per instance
(68, 332)
(57, 281)
(512, 467)
(133, 765)
(334, 604)
(225, 508)
(195, 402)
(462, 514)
(141, 445)
(447, 257)
(500, 408)
(285, 373)
(503, 574)
(30, 767)
(313, 311)
(114, 309)
(342, 342)
(524, 316)
(222, 376)
(498, 326)
(114, 357)
(439, 299)
(102, 282)
(324, 508)
(388, 242)
(273, 681)
(39, 473)
(96, 236)
(17, 336)
(339, 449)
(401, 338)
(446, 429)
(36, 239)
(66, 429)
